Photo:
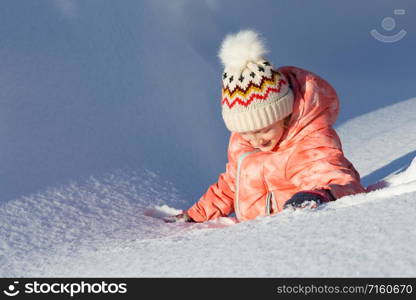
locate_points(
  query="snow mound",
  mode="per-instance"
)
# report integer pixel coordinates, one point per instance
(161, 211)
(404, 181)
(370, 239)
(407, 176)
(380, 143)
(82, 215)
(111, 226)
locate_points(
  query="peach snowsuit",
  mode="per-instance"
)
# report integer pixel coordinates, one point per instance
(309, 156)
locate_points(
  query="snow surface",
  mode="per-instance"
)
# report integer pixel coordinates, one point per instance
(87, 87)
(111, 226)
(381, 142)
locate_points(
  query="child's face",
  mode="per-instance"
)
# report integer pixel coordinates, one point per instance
(266, 138)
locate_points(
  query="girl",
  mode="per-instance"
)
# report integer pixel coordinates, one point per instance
(283, 151)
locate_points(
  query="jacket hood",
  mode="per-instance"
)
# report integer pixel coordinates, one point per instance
(316, 104)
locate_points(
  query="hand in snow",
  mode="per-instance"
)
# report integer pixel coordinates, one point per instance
(309, 199)
(182, 217)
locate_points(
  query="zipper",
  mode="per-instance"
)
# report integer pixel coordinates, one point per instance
(237, 182)
(268, 203)
(273, 201)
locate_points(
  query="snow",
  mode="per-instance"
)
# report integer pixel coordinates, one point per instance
(111, 226)
(101, 138)
(381, 142)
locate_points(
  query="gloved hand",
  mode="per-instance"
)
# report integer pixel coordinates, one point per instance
(182, 217)
(305, 198)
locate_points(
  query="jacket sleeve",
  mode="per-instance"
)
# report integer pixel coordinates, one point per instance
(319, 162)
(218, 201)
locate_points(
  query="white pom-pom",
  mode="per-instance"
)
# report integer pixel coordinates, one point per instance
(240, 48)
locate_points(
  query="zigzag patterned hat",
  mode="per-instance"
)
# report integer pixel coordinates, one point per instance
(254, 95)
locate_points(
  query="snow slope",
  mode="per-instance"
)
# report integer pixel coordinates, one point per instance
(101, 227)
(381, 142)
(87, 87)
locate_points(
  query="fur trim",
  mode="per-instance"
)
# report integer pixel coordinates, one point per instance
(240, 48)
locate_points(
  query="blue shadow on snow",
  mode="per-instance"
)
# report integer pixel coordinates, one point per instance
(395, 166)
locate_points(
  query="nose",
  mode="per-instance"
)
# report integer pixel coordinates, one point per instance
(258, 142)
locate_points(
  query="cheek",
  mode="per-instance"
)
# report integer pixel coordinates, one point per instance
(276, 134)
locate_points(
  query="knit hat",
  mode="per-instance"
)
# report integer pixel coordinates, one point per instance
(254, 94)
